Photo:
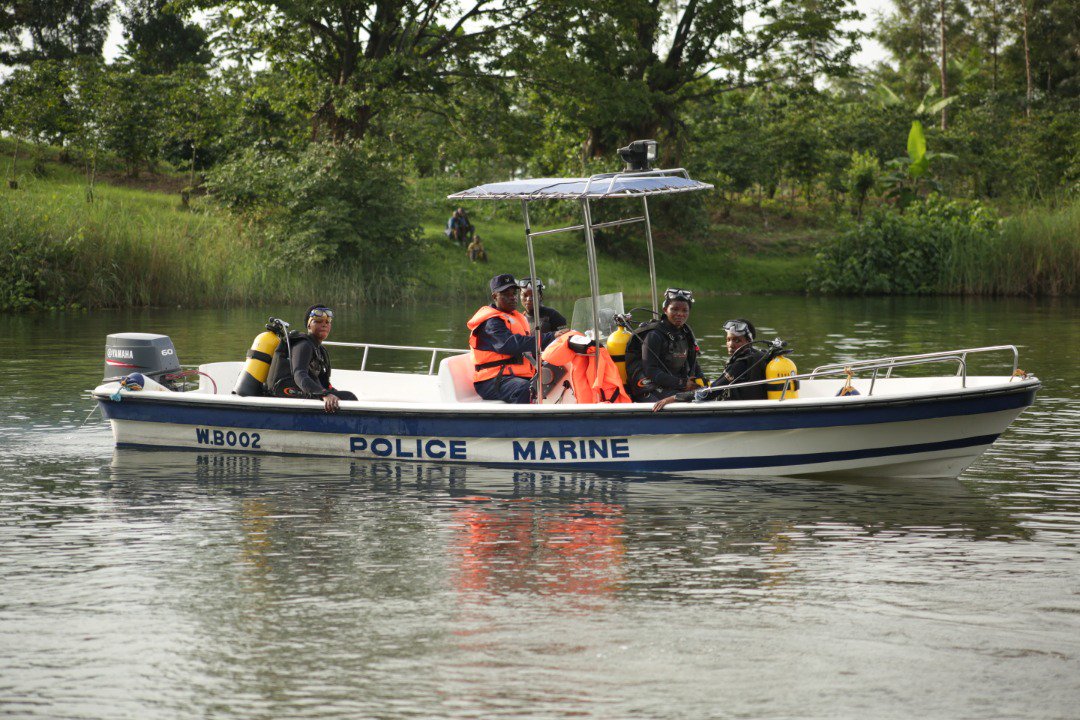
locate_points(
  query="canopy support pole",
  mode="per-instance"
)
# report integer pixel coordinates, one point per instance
(652, 257)
(594, 279)
(536, 301)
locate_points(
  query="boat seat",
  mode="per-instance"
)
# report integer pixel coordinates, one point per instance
(223, 373)
(455, 380)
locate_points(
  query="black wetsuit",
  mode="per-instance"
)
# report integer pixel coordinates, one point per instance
(668, 359)
(308, 373)
(550, 319)
(746, 365)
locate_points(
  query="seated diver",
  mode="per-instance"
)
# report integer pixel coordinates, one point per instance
(500, 339)
(550, 318)
(668, 353)
(745, 364)
(301, 366)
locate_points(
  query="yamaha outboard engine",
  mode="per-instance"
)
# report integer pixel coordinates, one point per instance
(152, 355)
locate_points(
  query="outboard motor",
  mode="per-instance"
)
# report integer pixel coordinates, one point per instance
(152, 355)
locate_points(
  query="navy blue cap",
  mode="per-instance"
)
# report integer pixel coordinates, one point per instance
(501, 282)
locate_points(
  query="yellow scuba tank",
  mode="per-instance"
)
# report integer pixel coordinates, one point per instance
(781, 367)
(616, 346)
(255, 370)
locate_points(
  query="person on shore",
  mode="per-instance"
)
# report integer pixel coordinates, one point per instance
(459, 228)
(745, 364)
(669, 353)
(301, 366)
(500, 339)
(550, 318)
(476, 251)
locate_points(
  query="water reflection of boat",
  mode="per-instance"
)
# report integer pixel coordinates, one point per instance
(573, 534)
(747, 506)
(932, 426)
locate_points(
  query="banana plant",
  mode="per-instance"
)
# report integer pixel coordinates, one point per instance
(909, 178)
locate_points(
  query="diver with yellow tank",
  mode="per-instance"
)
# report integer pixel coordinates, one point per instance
(746, 363)
(292, 364)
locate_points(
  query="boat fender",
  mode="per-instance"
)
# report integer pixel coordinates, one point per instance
(781, 367)
(257, 367)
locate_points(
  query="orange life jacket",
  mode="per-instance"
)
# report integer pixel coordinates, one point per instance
(488, 364)
(589, 385)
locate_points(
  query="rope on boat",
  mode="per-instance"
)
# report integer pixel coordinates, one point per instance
(848, 388)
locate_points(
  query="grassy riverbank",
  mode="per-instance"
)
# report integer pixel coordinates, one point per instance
(137, 245)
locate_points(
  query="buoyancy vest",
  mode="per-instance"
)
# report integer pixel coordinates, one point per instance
(280, 381)
(488, 364)
(594, 379)
(635, 348)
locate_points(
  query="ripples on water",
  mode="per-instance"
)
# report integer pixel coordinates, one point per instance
(180, 585)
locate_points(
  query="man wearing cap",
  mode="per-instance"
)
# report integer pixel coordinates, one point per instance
(500, 338)
(301, 366)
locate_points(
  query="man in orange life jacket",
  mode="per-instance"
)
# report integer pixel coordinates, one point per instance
(499, 340)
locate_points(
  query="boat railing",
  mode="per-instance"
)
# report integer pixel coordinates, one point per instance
(367, 347)
(613, 177)
(876, 365)
(901, 360)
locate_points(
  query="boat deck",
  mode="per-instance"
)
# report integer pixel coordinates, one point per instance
(453, 384)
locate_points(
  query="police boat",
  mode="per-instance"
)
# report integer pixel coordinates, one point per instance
(854, 419)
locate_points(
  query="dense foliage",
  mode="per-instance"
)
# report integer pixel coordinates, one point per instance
(327, 202)
(915, 252)
(308, 120)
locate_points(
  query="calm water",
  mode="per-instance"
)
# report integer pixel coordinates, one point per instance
(137, 584)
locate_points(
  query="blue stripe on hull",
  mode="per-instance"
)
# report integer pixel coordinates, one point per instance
(743, 463)
(729, 463)
(428, 424)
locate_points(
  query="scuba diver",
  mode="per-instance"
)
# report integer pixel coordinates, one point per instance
(502, 345)
(746, 363)
(550, 318)
(669, 352)
(301, 366)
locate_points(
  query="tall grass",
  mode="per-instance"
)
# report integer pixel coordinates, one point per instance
(137, 248)
(1037, 253)
(954, 247)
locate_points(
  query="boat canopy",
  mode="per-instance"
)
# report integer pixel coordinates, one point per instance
(637, 182)
(609, 185)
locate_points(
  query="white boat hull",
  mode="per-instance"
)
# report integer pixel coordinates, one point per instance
(932, 434)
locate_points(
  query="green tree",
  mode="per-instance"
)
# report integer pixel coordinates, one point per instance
(623, 69)
(355, 59)
(17, 102)
(916, 35)
(193, 116)
(86, 101)
(33, 108)
(158, 40)
(330, 202)
(133, 117)
(862, 179)
(56, 29)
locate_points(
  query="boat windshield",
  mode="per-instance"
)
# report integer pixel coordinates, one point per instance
(608, 307)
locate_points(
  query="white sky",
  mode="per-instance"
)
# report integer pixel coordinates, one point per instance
(872, 52)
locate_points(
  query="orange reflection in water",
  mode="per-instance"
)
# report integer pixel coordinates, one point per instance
(521, 546)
